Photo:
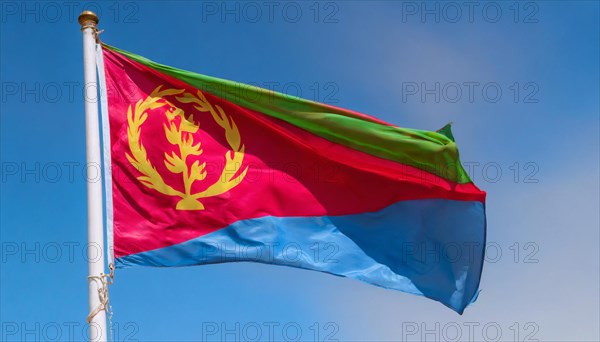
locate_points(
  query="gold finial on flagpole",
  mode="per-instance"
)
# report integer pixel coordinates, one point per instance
(88, 19)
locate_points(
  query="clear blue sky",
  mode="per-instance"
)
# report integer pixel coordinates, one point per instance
(534, 149)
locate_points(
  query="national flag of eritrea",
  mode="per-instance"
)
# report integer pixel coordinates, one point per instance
(202, 170)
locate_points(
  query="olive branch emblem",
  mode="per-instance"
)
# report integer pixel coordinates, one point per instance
(181, 135)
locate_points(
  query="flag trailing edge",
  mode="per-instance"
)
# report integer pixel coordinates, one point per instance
(203, 170)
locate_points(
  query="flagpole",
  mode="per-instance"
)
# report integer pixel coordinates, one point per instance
(97, 288)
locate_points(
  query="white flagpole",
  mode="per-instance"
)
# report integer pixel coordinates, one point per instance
(98, 293)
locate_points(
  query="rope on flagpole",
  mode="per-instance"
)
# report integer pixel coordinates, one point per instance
(102, 281)
(95, 31)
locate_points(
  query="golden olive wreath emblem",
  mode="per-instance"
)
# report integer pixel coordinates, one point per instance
(180, 134)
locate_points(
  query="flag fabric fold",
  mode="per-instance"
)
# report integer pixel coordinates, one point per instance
(205, 170)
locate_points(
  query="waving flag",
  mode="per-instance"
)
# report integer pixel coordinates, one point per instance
(203, 170)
